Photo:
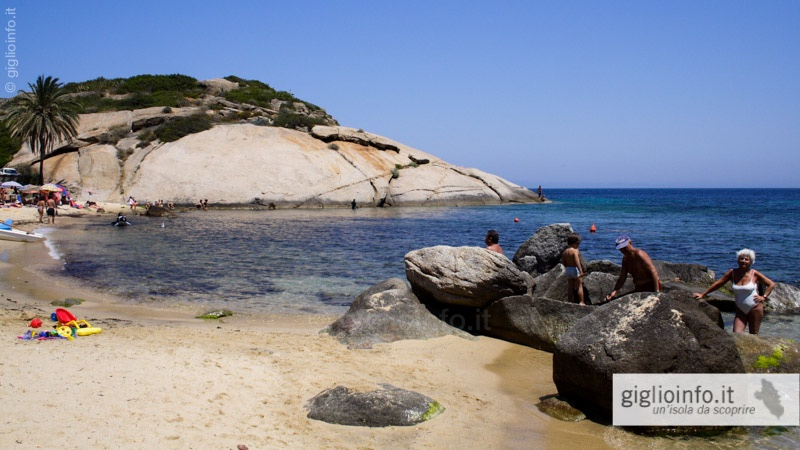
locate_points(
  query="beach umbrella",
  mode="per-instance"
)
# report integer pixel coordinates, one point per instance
(11, 185)
(50, 187)
(30, 189)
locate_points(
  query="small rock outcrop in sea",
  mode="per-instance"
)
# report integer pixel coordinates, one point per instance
(463, 276)
(639, 333)
(388, 312)
(534, 322)
(156, 211)
(386, 407)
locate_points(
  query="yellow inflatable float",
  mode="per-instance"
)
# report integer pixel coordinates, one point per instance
(88, 330)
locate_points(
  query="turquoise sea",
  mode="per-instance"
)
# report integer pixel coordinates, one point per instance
(318, 261)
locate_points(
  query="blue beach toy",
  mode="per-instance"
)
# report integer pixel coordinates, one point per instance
(54, 317)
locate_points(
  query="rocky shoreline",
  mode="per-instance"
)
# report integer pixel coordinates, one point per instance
(475, 292)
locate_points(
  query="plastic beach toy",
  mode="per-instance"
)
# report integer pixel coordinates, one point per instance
(88, 330)
(82, 327)
(65, 331)
(66, 318)
(35, 323)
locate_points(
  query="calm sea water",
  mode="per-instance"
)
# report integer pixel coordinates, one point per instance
(318, 261)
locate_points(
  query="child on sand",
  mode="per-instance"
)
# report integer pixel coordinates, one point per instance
(571, 259)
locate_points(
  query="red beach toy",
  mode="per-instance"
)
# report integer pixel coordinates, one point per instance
(64, 316)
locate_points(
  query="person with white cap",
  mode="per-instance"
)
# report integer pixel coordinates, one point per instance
(636, 262)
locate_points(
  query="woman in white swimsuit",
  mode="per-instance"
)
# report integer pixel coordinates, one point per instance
(744, 282)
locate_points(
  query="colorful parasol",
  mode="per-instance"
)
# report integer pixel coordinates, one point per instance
(50, 187)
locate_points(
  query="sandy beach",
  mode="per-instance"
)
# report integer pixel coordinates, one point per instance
(161, 378)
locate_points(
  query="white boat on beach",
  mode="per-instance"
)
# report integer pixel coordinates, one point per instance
(9, 234)
(20, 236)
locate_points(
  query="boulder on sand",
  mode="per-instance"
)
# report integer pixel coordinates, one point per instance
(388, 312)
(639, 333)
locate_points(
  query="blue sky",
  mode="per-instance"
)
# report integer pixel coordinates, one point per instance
(557, 93)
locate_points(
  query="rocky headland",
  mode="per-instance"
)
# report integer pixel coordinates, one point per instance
(278, 153)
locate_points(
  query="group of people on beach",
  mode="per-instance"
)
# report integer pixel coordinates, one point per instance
(168, 205)
(746, 282)
(47, 204)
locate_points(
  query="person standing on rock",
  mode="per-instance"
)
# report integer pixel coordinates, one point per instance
(637, 263)
(492, 241)
(571, 259)
(744, 282)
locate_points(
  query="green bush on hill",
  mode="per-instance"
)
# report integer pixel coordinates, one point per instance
(155, 83)
(141, 91)
(179, 127)
(98, 84)
(287, 119)
(260, 94)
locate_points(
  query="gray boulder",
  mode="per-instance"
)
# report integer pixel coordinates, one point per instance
(156, 211)
(542, 251)
(604, 266)
(386, 407)
(785, 298)
(534, 322)
(693, 274)
(462, 276)
(388, 312)
(596, 285)
(639, 333)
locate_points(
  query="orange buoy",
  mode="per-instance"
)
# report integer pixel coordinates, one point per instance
(593, 229)
(516, 219)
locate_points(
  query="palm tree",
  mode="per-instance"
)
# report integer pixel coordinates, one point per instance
(42, 117)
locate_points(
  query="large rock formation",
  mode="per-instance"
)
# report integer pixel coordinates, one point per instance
(240, 164)
(640, 333)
